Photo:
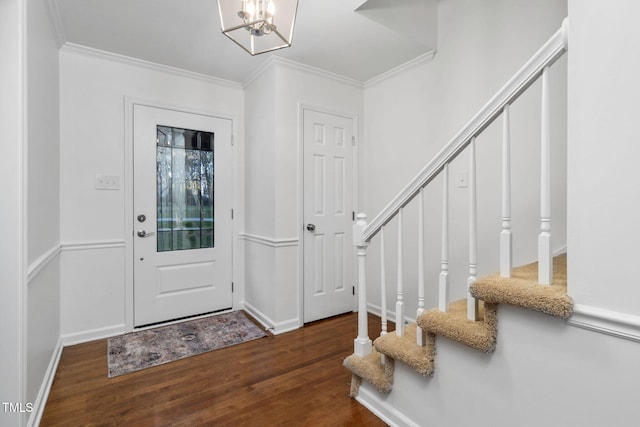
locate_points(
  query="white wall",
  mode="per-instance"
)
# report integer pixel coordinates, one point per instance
(93, 87)
(603, 154)
(544, 370)
(542, 373)
(13, 242)
(273, 180)
(412, 114)
(43, 198)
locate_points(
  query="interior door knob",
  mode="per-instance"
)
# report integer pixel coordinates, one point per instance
(311, 227)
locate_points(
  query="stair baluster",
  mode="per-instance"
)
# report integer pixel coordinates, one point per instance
(443, 284)
(400, 282)
(545, 261)
(472, 303)
(420, 334)
(383, 286)
(506, 241)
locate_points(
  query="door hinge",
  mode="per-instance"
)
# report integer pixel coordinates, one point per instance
(231, 213)
(232, 288)
(353, 290)
(353, 141)
(353, 215)
(232, 140)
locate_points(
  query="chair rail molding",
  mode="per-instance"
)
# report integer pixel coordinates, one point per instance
(92, 245)
(616, 324)
(269, 241)
(39, 264)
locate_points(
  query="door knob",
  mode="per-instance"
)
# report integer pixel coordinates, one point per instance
(311, 227)
(142, 233)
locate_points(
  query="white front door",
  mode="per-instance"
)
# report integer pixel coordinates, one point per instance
(182, 214)
(328, 209)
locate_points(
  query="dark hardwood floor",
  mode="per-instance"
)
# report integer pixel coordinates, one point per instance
(293, 379)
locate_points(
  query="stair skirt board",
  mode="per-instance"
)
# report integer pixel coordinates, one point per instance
(521, 290)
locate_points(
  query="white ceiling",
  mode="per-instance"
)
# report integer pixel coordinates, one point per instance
(329, 34)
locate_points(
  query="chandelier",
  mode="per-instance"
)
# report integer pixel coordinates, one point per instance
(258, 26)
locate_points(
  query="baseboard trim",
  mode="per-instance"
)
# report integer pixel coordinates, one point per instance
(371, 400)
(45, 387)
(276, 328)
(92, 334)
(391, 315)
(607, 322)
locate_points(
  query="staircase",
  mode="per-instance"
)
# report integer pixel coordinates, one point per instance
(473, 321)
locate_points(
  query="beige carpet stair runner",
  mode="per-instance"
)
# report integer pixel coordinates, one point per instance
(521, 290)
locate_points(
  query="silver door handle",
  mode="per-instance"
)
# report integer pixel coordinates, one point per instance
(142, 233)
(311, 227)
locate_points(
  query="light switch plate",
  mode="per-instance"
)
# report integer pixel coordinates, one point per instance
(107, 182)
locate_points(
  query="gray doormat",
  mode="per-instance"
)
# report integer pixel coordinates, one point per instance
(144, 349)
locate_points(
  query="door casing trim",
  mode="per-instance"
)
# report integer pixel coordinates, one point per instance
(129, 103)
(302, 106)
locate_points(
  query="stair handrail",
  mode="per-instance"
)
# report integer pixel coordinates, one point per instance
(548, 54)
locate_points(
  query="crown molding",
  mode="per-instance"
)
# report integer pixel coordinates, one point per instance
(424, 58)
(56, 20)
(293, 65)
(128, 60)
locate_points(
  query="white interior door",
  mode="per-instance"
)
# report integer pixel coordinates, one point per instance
(182, 215)
(328, 209)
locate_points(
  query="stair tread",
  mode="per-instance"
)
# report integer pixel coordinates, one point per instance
(453, 324)
(406, 350)
(371, 369)
(523, 290)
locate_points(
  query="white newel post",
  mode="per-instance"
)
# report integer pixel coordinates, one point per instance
(362, 344)
(545, 258)
(506, 251)
(472, 303)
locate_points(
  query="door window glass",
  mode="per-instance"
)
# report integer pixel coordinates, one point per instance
(184, 171)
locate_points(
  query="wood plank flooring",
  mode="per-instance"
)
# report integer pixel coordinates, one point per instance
(293, 379)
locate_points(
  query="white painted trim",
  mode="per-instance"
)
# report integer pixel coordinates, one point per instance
(293, 65)
(56, 20)
(129, 103)
(354, 117)
(553, 49)
(23, 185)
(102, 54)
(372, 400)
(91, 245)
(45, 387)
(276, 328)
(419, 60)
(560, 251)
(269, 241)
(39, 264)
(607, 322)
(92, 334)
